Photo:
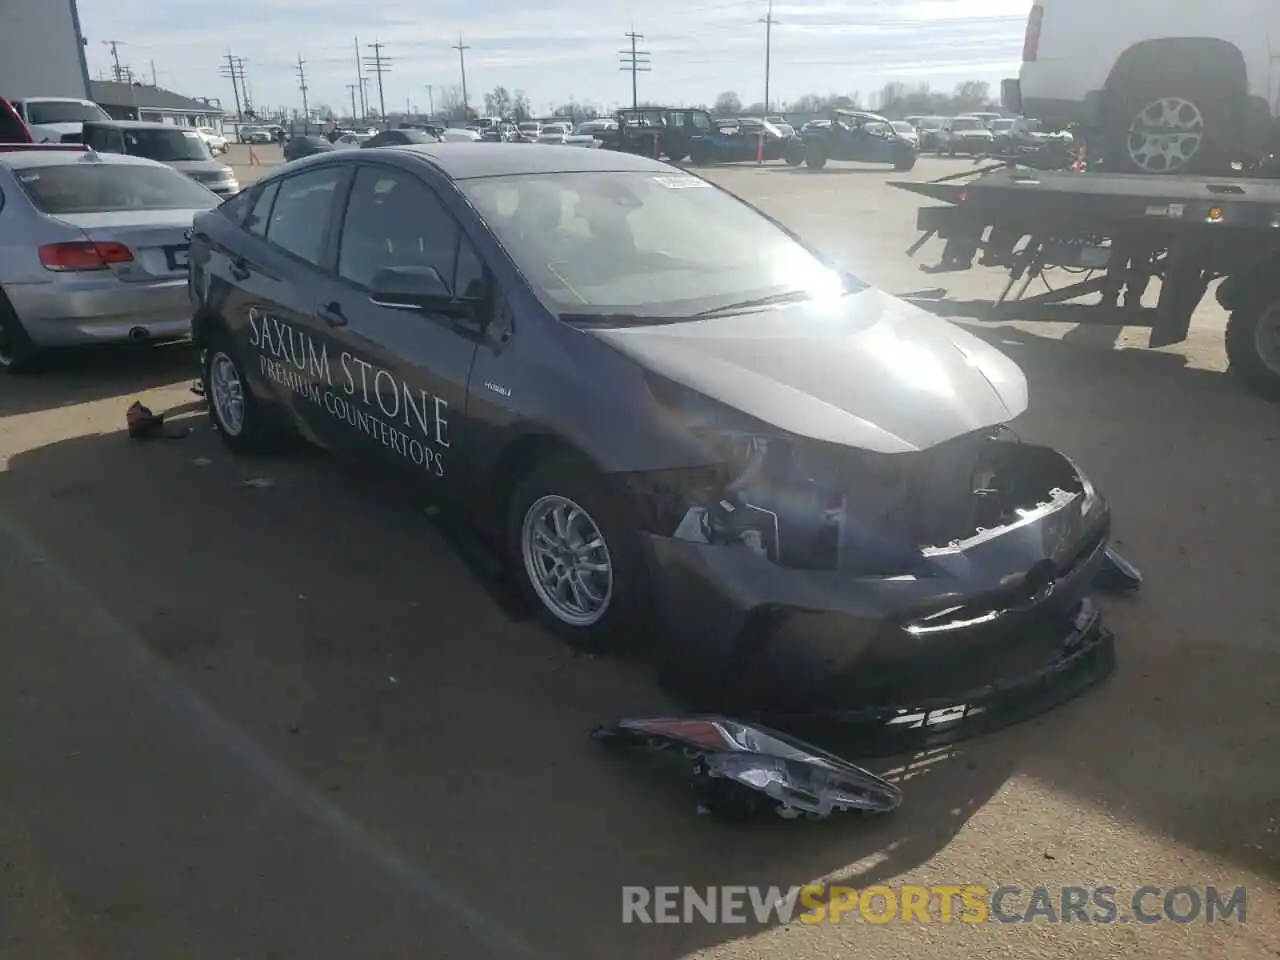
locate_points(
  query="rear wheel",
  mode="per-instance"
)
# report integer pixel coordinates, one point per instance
(699, 156)
(1160, 122)
(17, 353)
(815, 158)
(905, 161)
(794, 156)
(233, 410)
(1253, 347)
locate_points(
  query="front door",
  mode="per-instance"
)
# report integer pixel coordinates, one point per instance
(399, 392)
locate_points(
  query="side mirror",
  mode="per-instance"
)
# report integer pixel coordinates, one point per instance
(412, 288)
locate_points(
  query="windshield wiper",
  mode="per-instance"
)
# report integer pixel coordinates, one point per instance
(617, 319)
(791, 296)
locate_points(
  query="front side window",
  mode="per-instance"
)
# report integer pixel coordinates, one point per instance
(668, 245)
(394, 220)
(104, 187)
(300, 216)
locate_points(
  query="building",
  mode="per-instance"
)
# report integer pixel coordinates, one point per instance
(140, 101)
(41, 50)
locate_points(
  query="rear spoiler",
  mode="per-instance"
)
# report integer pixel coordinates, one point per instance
(56, 147)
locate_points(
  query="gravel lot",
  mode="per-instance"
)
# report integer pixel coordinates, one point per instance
(259, 709)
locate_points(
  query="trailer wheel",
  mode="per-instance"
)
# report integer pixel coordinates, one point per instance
(1253, 347)
(1162, 123)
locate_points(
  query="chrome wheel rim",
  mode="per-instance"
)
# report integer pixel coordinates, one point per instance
(567, 561)
(1266, 339)
(228, 394)
(1165, 135)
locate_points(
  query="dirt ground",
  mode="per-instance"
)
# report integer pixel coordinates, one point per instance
(258, 708)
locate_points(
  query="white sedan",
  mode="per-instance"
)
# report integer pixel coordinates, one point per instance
(215, 141)
(460, 135)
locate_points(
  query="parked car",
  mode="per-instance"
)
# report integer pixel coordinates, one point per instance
(853, 135)
(986, 116)
(255, 135)
(306, 146)
(459, 135)
(967, 135)
(52, 118)
(1162, 89)
(93, 248)
(216, 142)
(400, 138)
(13, 129)
(179, 147)
(553, 133)
(905, 130)
(927, 128)
(691, 427)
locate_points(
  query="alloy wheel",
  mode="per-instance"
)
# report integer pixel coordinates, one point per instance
(1165, 135)
(567, 561)
(227, 391)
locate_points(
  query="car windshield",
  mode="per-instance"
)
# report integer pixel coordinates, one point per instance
(60, 111)
(643, 244)
(165, 145)
(966, 123)
(104, 187)
(999, 126)
(901, 126)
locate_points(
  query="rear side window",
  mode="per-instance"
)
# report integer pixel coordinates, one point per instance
(300, 216)
(394, 220)
(102, 187)
(260, 215)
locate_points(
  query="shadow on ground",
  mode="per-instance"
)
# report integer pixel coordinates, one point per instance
(69, 377)
(331, 623)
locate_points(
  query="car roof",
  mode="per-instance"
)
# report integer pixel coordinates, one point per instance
(27, 159)
(50, 100)
(465, 161)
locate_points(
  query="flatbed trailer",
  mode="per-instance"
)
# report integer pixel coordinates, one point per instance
(1116, 233)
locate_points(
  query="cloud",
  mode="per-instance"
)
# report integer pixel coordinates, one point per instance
(561, 49)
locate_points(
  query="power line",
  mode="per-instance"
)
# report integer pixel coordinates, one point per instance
(380, 66)
(302, 85)
(462, 48)
(768, 22)
(637, 61)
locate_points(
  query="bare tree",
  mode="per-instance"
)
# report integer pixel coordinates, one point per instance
(728, 103)
(521, 109)
(497, 103)
(449, 102)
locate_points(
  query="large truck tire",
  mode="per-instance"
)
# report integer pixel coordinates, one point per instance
(1253, 346)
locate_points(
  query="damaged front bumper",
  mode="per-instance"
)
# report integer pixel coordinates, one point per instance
(1004, 631)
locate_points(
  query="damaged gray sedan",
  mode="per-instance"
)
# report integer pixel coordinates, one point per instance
(674, 419)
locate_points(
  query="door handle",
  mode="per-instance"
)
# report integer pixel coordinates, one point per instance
(331, 313)
(239, 269)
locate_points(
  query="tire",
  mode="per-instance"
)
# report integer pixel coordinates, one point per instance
(1249, 326)
(699, 156)
(793, 157)
(815, 158)
(905, 161)
(675, 157)
(571, 482)
(1201, 103)
(254, 433)
(17, 353)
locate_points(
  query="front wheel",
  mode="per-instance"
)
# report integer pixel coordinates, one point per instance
(815, 158)
(1253, 347)
(794, 156)
(904, 161)
(577, 555)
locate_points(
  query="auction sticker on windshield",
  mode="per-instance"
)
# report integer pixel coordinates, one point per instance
(681, 183)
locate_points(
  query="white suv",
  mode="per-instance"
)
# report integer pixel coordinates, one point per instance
(1165, 86)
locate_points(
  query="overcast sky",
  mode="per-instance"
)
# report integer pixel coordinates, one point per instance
(558, 50)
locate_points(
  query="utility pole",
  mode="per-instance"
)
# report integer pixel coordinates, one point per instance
(462, 66)
(154, 82)
(351, 89)
(364, 97)
(302, 85)
(637, 61)
(117, 72)
(380, 66)
(234, 69)
(364, 107)
(768, 22)
(431, 101)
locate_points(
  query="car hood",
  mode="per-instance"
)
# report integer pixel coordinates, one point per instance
(866, 370)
